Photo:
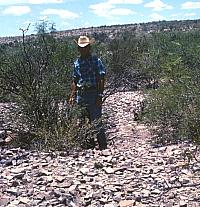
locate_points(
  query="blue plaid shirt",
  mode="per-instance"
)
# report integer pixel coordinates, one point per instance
(88, 71)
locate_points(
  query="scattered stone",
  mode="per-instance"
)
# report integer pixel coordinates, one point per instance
(106, 152)
(183, 204)
(24, 200)
(155, 191)
(84, 171)
(98, 165)
(131, 172)
(126, 203)
(108, 170)
(4, 201)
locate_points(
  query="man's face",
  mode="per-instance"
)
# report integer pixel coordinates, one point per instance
(84, 51)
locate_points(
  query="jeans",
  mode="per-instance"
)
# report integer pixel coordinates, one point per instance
(94, 113)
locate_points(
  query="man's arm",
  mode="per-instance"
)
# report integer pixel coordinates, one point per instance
(100, 86)
(100, 76)
(100, 81)
(73, 93)
(74, 82)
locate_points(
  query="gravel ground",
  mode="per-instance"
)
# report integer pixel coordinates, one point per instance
(131, 172)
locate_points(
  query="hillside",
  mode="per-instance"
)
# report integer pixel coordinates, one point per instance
(114, 30)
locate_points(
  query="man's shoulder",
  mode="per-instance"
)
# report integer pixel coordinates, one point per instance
(95, 57)
(77, 61)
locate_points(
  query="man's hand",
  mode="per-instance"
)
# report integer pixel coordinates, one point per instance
(71, 100)
(73, 94)
(99, 101)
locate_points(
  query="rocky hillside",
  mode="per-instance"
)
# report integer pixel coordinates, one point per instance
(131, 172)
(104, 32)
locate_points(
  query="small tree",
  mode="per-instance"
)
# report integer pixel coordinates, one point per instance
(174, 106)
(37, 74)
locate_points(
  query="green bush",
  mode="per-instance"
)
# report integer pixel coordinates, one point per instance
(174, 106)
(36, 75)
(124, 59)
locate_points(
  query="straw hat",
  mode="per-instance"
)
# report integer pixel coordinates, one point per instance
(83, 41)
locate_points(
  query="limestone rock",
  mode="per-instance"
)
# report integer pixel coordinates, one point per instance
(126, 203)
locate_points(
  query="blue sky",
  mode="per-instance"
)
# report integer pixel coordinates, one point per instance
(71, 14)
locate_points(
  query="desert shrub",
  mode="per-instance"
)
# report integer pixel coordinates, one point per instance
(36, 74)
(174, 106)
(123, 59)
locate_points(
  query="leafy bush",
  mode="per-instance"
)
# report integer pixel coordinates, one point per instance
(124, 59)
(174, 106)
(36, 74)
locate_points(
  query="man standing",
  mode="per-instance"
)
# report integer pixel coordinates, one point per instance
(88, 85)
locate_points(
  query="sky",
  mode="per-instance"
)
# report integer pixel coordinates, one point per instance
(16, 15)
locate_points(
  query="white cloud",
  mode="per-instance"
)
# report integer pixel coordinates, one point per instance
(16, 10)
(190, 14)
(191, 5)
(15, 2)
(102, 9)
(109, 9)
(9, 2)
(43, 18)
(63, 14)
(125, 1)
(158, 5)
(45, 1)
(101, 6)
(121, 12)
(156, 17)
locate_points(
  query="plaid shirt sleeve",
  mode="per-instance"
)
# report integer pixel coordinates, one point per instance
(101, 68)
(76, 73)
(88, 71)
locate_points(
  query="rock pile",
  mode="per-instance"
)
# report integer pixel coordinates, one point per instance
(130, 172)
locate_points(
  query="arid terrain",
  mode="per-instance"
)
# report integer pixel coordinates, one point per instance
(131, 172)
